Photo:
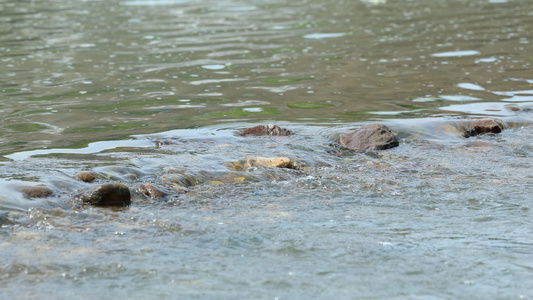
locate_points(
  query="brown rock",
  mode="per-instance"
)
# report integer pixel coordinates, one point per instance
(275, 162)
(183, 180)
(86, 176)
(372, 137)
(151, 191)
(216, 182)
(519, 108)
(37, 191)
(159, 144)
(478, 127)
(265, 130)
(513, 107)
(111, 194)
(236, 165)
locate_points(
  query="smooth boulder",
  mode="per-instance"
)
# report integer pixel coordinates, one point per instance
(370, 137)
(111, 194)
(37, 191)
(86, 176)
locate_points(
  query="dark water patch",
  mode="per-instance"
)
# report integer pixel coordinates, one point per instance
(106, 127)
(27, 127)
(307, 105)
(244, 112)
(75, 94)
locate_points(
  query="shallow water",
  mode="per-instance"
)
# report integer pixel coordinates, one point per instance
(152, 92)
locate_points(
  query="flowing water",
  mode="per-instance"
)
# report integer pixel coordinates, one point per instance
(152, 91)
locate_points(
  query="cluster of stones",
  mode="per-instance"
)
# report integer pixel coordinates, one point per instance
(368, 137)
(262, 130)
(478, 127)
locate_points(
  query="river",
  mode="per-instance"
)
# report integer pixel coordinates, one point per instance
(153, 91)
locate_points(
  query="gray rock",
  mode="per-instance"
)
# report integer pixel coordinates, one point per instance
(4, 220)
(372, 137)
(111, 194)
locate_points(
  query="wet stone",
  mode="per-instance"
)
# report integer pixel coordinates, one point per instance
(525, 108)
(160, 144)
(371, 137)
(479, 127)
(111, 194)
(274, 162)
(216, 182)
(37, 191)
(235, 166)
(182, 180)
(339, 151)
(4, 220)
(152, 191)
(513, 107)
(265, 130)
(256, 161)
(86, 176)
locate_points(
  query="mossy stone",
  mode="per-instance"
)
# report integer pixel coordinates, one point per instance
(111, 194)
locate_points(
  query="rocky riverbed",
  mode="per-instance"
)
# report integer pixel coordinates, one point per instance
(182, 149)
(201, 199)
(105, 190)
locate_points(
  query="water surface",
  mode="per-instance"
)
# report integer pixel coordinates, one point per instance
(152, 92)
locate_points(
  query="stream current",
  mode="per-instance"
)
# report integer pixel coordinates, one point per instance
(152, 92)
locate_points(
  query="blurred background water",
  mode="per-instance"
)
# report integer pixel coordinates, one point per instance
(78, 71)
(91, 85)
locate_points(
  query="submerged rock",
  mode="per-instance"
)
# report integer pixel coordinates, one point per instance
(160, 144)
(265, 130)
(519, 108)
(37, 191)
(255, 161)
(182, 180)
(4, 220)
(275, 162)
(372, 137)
(86, 176)
(478, 127)
(152, 191)
(111, 194)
